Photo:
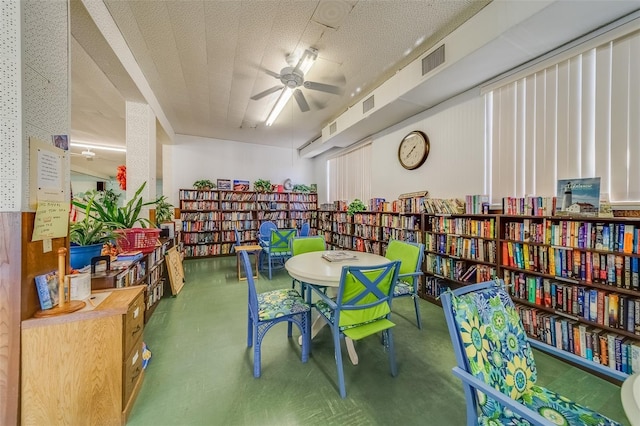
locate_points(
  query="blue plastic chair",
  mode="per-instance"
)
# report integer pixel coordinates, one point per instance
(304, 229)
(270, 308)
(410, 255)
(362, 308)
(237, 242)
(279, 248)
(496, 365)
(264, 232)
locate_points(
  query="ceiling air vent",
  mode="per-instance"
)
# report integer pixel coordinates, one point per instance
(367, 104)
(433, 60)
(333, 127)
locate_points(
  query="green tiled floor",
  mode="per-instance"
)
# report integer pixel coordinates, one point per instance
(201, 372)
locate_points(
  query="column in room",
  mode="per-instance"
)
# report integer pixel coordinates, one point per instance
(141, 151)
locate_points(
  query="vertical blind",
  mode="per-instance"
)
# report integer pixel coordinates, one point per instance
(349, 175)
(577, 118)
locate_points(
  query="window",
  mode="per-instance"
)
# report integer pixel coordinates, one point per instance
(349, 174)
(579, 117)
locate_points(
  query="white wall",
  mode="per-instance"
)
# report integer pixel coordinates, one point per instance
(455, 166)
(192, 158)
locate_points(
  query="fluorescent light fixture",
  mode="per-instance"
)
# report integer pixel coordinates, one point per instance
(280, 103)
(103, 147)
(304, 65)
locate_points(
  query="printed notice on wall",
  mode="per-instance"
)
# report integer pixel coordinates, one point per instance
(49, 169)
(52, 220)
(48, 173)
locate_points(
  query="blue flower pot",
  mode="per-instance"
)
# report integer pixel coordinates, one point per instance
(80, 256)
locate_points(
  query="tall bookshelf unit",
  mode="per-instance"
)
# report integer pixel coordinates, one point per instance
(575, 280)
(209, 217)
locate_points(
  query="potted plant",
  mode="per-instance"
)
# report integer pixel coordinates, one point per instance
(299, 187)
(262, 185)
(355, 207)
(87, 237)
(204, 185)
(105, 209)
(164, 210)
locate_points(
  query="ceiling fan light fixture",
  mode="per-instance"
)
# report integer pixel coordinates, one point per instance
(280, 103)
(304, 65)
(103, 147)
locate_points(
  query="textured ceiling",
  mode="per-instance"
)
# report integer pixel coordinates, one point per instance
(205, 59)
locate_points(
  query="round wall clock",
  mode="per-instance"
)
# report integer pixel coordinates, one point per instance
(413, 150)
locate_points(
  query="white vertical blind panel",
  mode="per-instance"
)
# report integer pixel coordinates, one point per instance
(574, 114)
(602, 118)
(562, 132)
(551, 129)
(488, 146)
(519, 136)
(506, 136)
(634, 119)
(543, 171)
(619, 119)
(530, 157)
(588, 105)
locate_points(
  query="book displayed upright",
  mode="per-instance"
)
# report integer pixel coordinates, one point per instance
(47, 286)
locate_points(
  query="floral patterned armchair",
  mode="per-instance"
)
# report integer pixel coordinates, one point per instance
(496, 365)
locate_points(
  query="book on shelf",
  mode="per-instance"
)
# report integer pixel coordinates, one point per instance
(47, 286)
(337, 256)
(130, 255)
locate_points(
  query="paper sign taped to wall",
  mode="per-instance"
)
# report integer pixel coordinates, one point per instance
(52, 220)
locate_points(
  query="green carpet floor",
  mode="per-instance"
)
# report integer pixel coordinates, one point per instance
(201, 371)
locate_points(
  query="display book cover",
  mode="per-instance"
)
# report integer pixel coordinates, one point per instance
(337, 256)
(580, 196)
(47, 286)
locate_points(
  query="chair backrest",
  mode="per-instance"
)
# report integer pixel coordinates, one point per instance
(253, 295)
(488, 338)
(280, 240)
(300, 245)
(237, 242)
(365, 293)
(409, 254)
(304, 229)
(264, 233)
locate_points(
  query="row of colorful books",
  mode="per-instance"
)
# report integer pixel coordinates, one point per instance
(615, 237)
(529, 206)
(444, 206)
(600, 346)
(477, 204)
(462, 247)
(596, 305)
(484, 228)
(458, 269)
(590, 267)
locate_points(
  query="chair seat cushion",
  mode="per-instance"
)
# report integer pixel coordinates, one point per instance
(402, 288)
(328, 313)
(280, 303)
(550, 405)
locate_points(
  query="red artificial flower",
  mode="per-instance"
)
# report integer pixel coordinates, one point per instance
(121, 177)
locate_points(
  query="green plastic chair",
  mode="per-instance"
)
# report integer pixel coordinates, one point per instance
(279, 248)
(300, 245)
(410, 255)
(362, 308)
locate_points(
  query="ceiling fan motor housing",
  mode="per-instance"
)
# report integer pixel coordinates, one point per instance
(291, 78)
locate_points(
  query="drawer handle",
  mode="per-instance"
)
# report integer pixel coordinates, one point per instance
(135, 374)
(135, 330)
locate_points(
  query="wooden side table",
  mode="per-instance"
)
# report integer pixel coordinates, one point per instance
(250, 249)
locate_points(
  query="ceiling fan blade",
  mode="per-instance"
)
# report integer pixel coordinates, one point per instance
(266, 92)
(328, 88)
(272, 74)
(302, 102)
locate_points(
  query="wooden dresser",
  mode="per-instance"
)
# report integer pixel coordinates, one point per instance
(84, 367)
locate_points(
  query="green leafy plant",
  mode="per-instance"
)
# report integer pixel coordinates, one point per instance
(164, 210)
(204, 184)
(301, 188)
(88, 230)
(106, 210)
(262, 185)
(356, 206)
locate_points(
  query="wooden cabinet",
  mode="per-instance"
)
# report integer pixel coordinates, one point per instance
(84, 367)
(209, 217)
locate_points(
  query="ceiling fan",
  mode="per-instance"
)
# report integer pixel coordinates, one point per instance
(293, 78)
(87, 154)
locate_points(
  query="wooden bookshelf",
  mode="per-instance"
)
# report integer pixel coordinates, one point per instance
(209, 217)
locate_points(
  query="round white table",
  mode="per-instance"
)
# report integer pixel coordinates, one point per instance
(311, 269)
(630, 395)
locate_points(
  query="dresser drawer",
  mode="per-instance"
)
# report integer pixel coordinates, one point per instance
(131, 370)
(133, 323)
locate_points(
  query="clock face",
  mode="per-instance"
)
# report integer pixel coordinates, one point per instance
(413, 150)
